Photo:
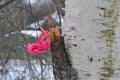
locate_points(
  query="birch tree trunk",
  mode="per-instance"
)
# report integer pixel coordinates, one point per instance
(92, 38)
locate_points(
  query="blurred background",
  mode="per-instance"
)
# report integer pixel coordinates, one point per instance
(19, 21)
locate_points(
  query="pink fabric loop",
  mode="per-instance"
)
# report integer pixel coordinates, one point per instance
(42, 45)
(42, 36)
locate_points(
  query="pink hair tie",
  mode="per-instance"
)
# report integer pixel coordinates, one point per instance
(42, 45)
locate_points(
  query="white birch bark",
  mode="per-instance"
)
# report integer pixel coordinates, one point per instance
(92, 38)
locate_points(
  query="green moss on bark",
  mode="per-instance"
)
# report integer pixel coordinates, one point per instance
(108, 33)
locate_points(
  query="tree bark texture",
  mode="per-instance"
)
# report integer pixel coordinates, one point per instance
(62, 68)
(92, 38)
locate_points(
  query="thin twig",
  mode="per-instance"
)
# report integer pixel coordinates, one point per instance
(8, 56)
(7, 3)
(34, 16)
(36, 20)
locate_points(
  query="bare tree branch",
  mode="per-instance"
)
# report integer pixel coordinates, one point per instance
(59, 6)
(6, 3)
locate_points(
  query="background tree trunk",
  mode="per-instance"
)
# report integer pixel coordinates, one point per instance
(92, 38)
